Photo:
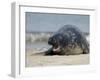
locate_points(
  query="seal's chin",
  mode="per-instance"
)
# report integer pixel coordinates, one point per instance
(56, 49)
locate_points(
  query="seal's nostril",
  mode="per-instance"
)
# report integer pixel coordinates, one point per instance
(49, 41)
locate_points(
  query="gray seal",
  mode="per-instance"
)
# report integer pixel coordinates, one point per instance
(69, 40)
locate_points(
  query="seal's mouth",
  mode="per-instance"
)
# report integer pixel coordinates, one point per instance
(56, 48)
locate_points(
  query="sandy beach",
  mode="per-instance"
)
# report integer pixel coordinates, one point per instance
(34, 58)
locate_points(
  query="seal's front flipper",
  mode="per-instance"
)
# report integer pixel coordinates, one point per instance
(49, 52)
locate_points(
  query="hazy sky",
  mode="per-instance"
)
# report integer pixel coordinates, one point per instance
(52, 22)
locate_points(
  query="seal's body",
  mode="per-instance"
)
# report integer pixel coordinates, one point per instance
(69, 40)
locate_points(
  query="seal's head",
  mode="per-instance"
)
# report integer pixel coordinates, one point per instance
(57, 41)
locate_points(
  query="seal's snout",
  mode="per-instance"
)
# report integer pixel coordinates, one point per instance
(50, 41)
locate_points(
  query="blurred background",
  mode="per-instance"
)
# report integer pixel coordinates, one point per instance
(40, 26)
